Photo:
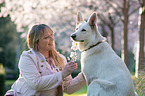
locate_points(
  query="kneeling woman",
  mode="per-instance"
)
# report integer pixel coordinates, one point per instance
(43, 71)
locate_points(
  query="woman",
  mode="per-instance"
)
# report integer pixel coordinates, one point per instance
(43, 71)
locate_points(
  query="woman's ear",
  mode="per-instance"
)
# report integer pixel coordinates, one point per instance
(79, 18)
(92, 19)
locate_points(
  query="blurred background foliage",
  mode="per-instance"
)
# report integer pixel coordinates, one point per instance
(121, 22)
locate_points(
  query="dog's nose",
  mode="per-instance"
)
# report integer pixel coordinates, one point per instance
(73, 36)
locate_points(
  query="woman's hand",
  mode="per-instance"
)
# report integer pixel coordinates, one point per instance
(69, 68)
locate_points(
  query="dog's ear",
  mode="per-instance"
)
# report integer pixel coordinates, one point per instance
(92, 19)
(79, 18)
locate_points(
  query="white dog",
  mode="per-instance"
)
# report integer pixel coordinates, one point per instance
(106, 73)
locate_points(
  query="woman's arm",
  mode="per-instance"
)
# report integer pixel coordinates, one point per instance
(72, 85)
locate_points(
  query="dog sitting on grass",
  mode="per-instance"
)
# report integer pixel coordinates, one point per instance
(106, 73)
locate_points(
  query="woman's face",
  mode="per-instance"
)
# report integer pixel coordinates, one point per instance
(46, 40)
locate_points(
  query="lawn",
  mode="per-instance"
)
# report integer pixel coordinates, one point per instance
(81, 92)
(138, 82)
(8, 84)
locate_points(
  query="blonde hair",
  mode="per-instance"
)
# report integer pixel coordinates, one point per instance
(33, 38)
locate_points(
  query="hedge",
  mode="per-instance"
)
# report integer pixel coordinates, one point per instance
(2, 80)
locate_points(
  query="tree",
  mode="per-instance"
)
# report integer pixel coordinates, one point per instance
(111, 22)
(124, 12)
(8, 39)
(141, 34)
(109, 15)
(61, 15)
(25, 13)
(140, 54)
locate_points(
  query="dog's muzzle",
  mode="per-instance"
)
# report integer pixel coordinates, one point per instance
(73, 36)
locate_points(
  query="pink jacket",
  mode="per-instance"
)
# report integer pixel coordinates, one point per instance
(33, 78)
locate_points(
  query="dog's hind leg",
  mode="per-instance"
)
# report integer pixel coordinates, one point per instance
(93, 89)
(97, 86)
(104, 83)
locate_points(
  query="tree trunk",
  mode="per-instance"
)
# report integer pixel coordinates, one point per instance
(112, 38)
(141, 37)
(140, 52)
(124, 51)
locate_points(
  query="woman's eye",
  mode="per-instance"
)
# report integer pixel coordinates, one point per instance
(83, 30)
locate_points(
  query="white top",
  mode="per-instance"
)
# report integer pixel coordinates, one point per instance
(38, 79)
(49, 70)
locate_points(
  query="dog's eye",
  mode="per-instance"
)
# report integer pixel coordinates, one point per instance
(83, 30)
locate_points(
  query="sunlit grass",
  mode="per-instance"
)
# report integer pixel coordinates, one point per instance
(81, 92)
(76, 95)
(9, 82)
(138, 82)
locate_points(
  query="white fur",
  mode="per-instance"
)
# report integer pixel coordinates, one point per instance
(106, 73)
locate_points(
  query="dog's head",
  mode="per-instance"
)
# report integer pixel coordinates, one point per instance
(86, 33)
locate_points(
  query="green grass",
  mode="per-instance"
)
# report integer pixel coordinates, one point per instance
(81, 92)
(138, 82)
(9, 82)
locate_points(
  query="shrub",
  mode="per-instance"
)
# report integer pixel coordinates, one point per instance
(139, 83)
(2, 80)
